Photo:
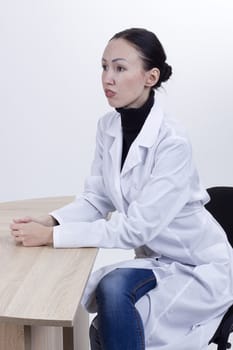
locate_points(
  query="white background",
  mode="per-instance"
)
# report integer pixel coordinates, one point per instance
(51, 95)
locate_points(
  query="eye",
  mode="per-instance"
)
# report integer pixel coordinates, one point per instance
(104, 66)
(120, 69)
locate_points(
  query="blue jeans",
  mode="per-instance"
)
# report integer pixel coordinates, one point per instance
(118, 325)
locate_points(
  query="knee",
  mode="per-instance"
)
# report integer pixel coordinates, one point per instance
(111, 288)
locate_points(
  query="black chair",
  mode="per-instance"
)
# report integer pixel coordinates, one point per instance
(221, 207)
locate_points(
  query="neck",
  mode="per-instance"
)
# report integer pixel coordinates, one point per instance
(134, 115)
(141, 102)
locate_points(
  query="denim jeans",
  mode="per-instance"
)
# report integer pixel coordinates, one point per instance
(118, 325)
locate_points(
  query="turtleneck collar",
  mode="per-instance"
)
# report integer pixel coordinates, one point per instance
(132, 120)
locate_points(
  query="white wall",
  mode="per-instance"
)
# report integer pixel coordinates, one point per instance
(51, 96)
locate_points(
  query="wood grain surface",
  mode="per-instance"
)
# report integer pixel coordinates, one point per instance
(40, 286)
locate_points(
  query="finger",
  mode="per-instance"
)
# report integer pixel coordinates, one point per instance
(17, 233)
(18, 239)
(14, 232)
(22, 220)
(16, 221)
(15, 227)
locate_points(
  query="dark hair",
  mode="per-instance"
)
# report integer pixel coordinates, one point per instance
(150, 49)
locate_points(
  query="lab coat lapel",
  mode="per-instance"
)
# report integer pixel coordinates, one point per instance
(145, 139)
(115, 145)
(120, 180)
(114, 132)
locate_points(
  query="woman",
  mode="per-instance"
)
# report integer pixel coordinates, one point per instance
(174, 293)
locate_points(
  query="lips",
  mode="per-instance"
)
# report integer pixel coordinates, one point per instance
(109, 93)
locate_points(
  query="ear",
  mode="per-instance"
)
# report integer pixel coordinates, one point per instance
(152, 77)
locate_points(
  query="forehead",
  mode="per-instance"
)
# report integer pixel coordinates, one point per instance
(120, 48)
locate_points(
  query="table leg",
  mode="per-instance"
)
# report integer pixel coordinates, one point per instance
(16, 337)
(11, 337)
(43, 337)
(81, 330)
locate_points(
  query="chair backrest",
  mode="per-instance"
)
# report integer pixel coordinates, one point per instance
(221, 207)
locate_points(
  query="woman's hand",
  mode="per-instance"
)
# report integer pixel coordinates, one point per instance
(46, 220)
(31, 233)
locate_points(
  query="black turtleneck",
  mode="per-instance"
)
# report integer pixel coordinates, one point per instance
(132, 120)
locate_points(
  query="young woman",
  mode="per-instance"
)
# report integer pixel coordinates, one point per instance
(173, 295)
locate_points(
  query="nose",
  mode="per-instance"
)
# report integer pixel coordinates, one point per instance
(108, 77)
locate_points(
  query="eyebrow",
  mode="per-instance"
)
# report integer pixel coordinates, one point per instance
(115, 59)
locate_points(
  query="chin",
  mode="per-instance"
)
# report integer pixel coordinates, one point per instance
(114, 104)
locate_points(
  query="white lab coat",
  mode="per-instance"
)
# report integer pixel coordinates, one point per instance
(159, 211)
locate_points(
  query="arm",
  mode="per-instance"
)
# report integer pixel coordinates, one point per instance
(157, 204)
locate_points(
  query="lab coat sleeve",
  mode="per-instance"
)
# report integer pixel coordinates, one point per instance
(93, 204)
(155, 206)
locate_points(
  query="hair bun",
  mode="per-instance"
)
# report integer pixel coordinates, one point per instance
(166, 72)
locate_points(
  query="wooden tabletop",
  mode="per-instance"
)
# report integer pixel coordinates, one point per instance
(40, 285)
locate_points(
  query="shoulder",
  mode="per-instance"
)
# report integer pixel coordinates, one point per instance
(109, 123)
(108, 119)
(172, 133)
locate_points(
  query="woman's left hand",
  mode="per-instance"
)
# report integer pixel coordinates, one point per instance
(32, 234)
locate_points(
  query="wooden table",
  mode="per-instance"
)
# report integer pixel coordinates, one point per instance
(41, 287)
